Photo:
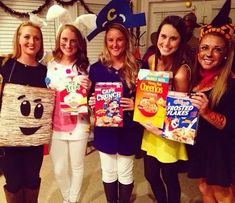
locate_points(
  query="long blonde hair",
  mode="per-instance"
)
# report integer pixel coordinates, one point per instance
(130, 69)
(16, 53)
(16, 46)
(221, 83)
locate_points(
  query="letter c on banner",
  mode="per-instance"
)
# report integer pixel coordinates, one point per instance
(110, 15)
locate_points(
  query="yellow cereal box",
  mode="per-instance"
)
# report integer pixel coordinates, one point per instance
(151, 93)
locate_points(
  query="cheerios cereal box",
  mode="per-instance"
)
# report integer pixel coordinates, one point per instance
(108, 112)
(73, 98)
(181, 119)
(150, 101)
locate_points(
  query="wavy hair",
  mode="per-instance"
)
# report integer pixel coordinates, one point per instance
(81, 56)
(130, 69)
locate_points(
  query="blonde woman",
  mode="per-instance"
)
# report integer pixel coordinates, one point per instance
(215, 88)
(21, 165)
(117, 145)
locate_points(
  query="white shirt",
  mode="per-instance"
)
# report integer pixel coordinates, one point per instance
(56, 75)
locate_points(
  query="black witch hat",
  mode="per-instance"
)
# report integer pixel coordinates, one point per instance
(221, 23)
(222, 17)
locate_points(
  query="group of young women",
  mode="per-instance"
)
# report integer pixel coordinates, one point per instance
(211, 159)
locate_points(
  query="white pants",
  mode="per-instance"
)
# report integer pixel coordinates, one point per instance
(68, 160)
(117, 167)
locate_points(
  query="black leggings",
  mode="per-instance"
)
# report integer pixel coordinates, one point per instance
(160, 175)
(21, 167)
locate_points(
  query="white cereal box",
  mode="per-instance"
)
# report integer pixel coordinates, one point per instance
(181, 118)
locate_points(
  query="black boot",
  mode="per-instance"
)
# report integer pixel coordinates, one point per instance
(31, 195)
(125, 192)
(111, 191)
(16, 197)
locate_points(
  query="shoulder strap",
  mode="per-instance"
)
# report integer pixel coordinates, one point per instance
(12, 70)
(153, 64)
(1, 61)
(189, 69)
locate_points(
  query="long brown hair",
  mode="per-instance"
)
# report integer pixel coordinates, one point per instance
(130, 69)
(178, 23)
(81, 56)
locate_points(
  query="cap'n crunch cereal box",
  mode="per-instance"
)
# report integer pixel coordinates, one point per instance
(181, 119)
(150, 100)
(73, 98)
(108, 112)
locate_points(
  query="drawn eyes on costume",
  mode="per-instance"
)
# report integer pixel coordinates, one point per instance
(25, 107)
(38, 111)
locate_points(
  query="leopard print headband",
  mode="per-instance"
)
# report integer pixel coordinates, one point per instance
(226, 30)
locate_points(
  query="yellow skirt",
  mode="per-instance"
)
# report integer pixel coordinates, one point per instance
(166, 151)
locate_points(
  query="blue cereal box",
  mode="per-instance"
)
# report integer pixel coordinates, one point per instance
(181, 118)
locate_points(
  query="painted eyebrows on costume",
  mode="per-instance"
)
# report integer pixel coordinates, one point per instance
(37, 100)
(21, 97)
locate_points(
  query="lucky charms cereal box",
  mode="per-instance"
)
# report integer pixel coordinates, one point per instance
(150, 101)
(108, 112)
(181, 119)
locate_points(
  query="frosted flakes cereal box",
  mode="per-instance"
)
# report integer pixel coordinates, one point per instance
(181, 119)
(108, 112)
(73, 98)
(150, 100)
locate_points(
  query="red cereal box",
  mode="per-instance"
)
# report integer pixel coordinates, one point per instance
(73, 98)
(150, 101)
(108, 112)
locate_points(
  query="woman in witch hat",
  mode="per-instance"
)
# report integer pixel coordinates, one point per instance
(212, 157)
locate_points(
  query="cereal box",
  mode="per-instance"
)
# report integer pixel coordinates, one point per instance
(108, 112)
(181, 119)
(150, 101)
(73, 98)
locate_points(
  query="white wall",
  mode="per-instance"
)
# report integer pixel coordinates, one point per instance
(156, 10)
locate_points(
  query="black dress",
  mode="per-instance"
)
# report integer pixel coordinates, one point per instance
(21, 165)
(213, 155)
(124, 140)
